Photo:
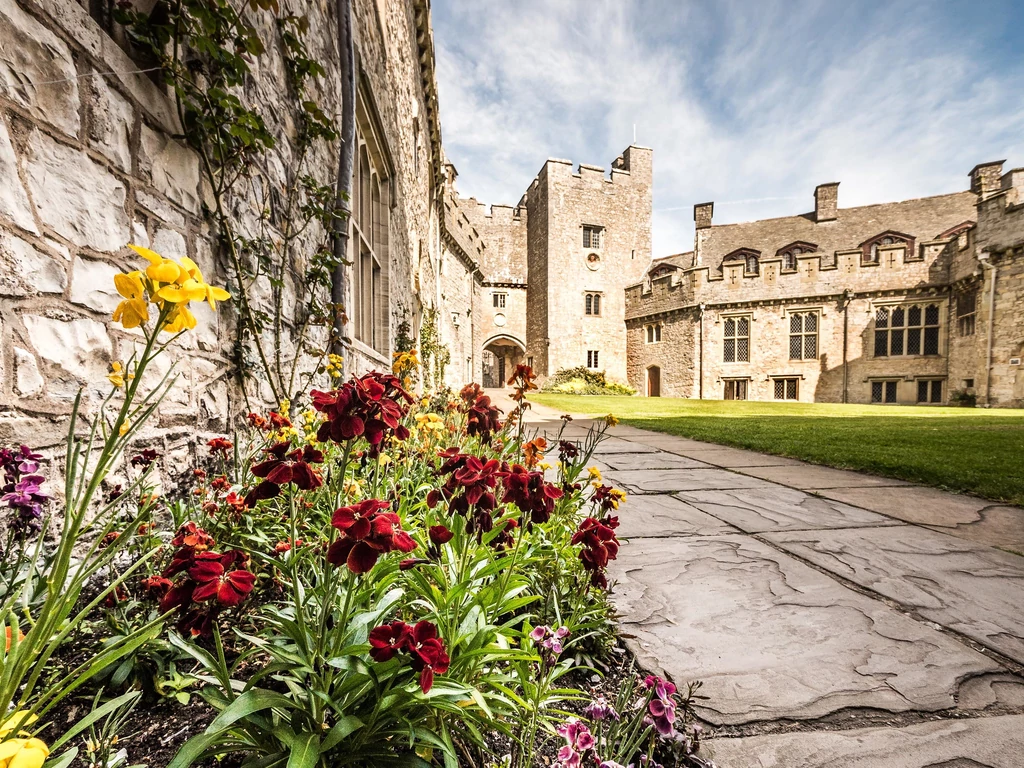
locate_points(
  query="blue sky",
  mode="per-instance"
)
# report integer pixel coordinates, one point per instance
(750, 104)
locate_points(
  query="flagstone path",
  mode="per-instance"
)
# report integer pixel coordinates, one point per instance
(835, 618)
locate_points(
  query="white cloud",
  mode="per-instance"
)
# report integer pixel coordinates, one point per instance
(750, 104)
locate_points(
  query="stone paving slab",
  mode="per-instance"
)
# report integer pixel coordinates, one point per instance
(721, 456)
(780, 509)
(773, 638)
(618, 445)
(659, 460)
(670, 480)
(975, 590)
(966, 517)
(660, 515)
(808, 476)
(984, 742)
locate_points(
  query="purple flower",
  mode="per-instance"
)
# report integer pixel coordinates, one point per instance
(22, 487)
(579, 740)
(662, 707)
(599, 709)
(549, 642)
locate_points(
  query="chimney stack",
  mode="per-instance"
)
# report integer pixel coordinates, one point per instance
(986, 178)
(702, 213)
(826, 201)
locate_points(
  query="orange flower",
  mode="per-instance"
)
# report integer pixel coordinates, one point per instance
(532, 451)
(21, 636)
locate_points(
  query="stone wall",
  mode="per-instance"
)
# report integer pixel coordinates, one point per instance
(89, 164)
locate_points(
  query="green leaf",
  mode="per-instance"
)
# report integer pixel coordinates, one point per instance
(193, 750)
(64, 760)
(91, 718)
(247, 704)
(341, 730)
(305, 751)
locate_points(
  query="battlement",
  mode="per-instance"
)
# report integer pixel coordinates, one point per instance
(633, 166)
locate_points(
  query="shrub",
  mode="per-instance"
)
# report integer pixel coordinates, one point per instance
(963, 398)
(584, 381)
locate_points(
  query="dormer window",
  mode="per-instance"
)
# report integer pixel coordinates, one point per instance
(789, 253)
(872, 249)
(749, 258)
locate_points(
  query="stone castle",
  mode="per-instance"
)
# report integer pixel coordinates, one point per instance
(900, 302)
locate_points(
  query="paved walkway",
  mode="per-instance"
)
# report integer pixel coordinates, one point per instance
(835, 618)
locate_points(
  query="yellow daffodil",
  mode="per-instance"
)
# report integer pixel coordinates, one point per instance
(133, 310)
(116, 375)
(17, 719)
(23, 753)
(595, 474)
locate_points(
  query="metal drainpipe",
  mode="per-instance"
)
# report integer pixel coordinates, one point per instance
(700, 365)
(847, 298)
(984, 259)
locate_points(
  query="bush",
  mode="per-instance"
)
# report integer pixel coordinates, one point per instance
(963, 398)
(584, 381)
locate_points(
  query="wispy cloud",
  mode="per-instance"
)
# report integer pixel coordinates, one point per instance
(750, 104)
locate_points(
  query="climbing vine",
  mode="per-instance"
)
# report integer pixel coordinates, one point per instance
(434, 353)
(273, 219)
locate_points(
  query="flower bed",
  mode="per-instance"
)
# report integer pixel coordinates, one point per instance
(375, 580)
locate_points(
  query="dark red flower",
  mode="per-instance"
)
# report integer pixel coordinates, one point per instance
(568, 450)
(371, 406)
(469, 489)
(144, 459)
(368, 530)
(285, 467)
(600, 546)
(529, 491)
(428, 654)
(439, 535)
(258, 422)
(278, 421)
(388, 640)
(156, 586)
(481, 416)
(215, 582)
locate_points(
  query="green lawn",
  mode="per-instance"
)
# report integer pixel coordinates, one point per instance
(976, 451)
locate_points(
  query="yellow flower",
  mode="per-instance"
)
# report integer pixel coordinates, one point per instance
(132, 311)
(544, 466)
(384, 459)
(617, 496)
(595, 474)
(124, 428)
(181, 318)
(430, 421)
(17, 719)
(23, 753)
(610, 420)
(116, 375)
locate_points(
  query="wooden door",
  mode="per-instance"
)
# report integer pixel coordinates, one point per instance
(654, 381)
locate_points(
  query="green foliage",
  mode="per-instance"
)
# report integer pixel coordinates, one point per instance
(435, 354)
(584, 381)
(963, 398)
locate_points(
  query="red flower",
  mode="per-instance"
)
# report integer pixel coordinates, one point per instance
(428, 654)
(214, 581)
(387, 640)
(420, 642)
(281, 547)
(285, 467)
(481, 416)
(439, 535)
(258, 422)
(469, 489)
(529, 491)
(192, 536)
(156, 586)
(368, 530)
(278, 421)
(371, 406)
(220, 445)
(600, 545)
(144, 459)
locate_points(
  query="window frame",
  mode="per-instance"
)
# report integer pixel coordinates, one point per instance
(870, 256)
(652, 333)
(593, 237)
(931, 384)
(966, 321)
(788, 383)
(593, 359)
(804, 334)
(736, 338)
(927, 332)
(592, 304)
(885, 385)
(789, 254)
(499, 299)
(737, 386)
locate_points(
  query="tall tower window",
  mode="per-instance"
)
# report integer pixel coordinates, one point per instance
(499, 300)
(966, 309)
(653, 333)
(593, 304)
(592, 236)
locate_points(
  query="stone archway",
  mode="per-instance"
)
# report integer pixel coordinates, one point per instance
(502, 353)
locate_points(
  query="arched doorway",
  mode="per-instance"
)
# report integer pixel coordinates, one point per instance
(654, 381)
(501, 355)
